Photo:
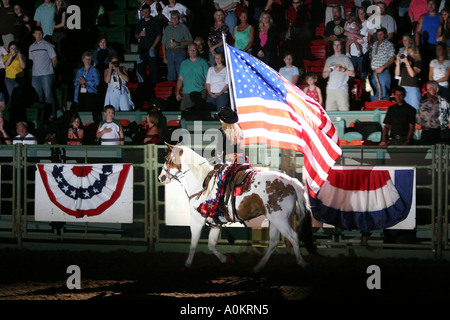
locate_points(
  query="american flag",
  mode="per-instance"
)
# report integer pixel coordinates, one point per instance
(274, 111)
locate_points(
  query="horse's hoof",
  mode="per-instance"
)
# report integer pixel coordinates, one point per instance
(230, 259)
(184, 269)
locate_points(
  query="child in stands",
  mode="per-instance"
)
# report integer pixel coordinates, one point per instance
(312, 90)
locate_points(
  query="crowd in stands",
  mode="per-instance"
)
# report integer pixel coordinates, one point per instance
(393, 50)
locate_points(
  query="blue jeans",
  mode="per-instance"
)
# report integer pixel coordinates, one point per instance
(385, 82)
(44, 89)
(358, 63)
(215, 104)
(147, 58)
(174, 60)
(231, 20)
(10, 84)
(413, 96)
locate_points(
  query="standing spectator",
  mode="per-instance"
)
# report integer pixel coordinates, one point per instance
(440, 70)
(2, 104)
(215, 41)
(334, 29)
(266, 40)
(173, 5)
(110, 131)
(257, 7)
(217, 84)
(23, 136)
(45, 17)
(148, 33)
(408, 66)
(176, 37)
(416, 9)
(14, 62)
(3, 53)
(244, 33)
(387, 22)
(102, 54)
(192, 78)
(86, 84)
(229, 7)
(22, 30)
(311, 90)
(433, 116)
(331, 4)
(202, 53)
(117, 94)
(75, 134)
(444, 29)
(153, 6)
(43, 55)
(426, 33)
(399, 121)
(338, 68)
(59, 29)
(289, 71)
(299, 29)
(408, 42)
(383, 56)
(4, 138)
(8, 20)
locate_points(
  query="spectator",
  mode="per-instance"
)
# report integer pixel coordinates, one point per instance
(440, 70)
(353, 26)
(44, 17)
(244, 33)
(299, 29)
(192, 78)
(426, 32)
(404, 8)
(153, 7)
(173, 5)
(117, 94)
(335, 29)
(15, 63)
(361, 63)
(383, 56)
(443, 33)
(86, 84)
(153, 134)
(408, 42)
(416, 9)
(311, 90)
(289, 71)
(22, 30)
(75, 134)
(2, 104)
(3, 53)
(215, 40)
(387, 22)
(257, 7)
(110, 131)
(148, 32)
(229, 8)
(399, 121)
(4, 138)
(408, 66)
(101, 55)
(329, 11)
(8, 20)
(266, 40)
(338, 68)
(59, 29)
(202, 53)
(217, 84)
(43, 55)
(433, 116)
(176, 37)
(23, 136)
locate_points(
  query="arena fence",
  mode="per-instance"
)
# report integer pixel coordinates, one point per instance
(18, 226)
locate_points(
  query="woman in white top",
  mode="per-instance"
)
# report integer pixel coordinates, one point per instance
(289, 71)
(440, 70)
(217, 84)
(117, 94)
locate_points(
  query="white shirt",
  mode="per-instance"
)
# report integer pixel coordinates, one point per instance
(288, 73)
(183, 10)
(28, 139)
(217, 80)
(440, 70)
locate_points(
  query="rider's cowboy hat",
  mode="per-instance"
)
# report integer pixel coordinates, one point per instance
(227, 115)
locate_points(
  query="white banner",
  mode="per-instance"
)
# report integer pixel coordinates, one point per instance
(84, 193)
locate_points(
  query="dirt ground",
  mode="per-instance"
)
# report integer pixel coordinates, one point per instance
(157, 278)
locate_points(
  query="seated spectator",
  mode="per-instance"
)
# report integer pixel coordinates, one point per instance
(244, 33)
(4, 138)
(75, 134)
(433, 115)
(289, 71)
(266, 40)
(117, 94)
(23, 136)
(215, 40)
(217, 84)
(153, 133)
(407, 67)
(110, 131)
(86, 84)
(399, 122)
(440, 70)
(311, 90)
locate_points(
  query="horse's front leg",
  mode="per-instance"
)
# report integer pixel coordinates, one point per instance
(214, 233)
(196, 226)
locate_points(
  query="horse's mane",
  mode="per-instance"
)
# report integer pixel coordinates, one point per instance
(200, 166)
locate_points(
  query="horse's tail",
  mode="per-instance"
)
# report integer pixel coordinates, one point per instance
(304, 228)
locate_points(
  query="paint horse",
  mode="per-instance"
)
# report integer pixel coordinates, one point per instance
(269, 193)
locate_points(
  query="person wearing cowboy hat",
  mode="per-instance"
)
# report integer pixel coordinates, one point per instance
(231, 136)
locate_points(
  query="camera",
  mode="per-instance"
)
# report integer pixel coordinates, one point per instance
(402, 56)
(116, 63)
(332, 68)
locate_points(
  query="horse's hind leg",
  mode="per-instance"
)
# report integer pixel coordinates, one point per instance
(213, 238)
(290, 234)
(274, 239)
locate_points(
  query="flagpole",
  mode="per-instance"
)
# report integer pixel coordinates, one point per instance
(228, 66)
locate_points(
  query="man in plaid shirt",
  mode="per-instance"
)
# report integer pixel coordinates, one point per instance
(434, 116)
(383, 56)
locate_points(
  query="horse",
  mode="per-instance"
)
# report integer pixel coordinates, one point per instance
(270, 193)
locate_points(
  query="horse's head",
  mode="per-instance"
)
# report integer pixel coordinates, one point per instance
(172, 165)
